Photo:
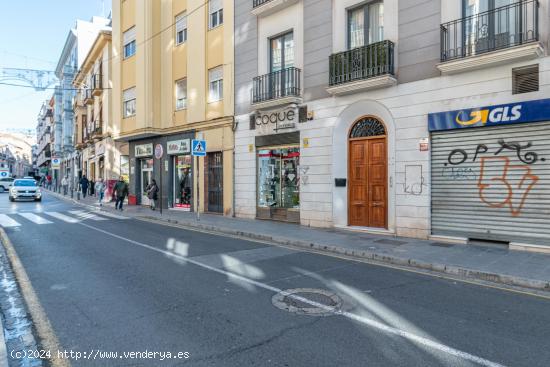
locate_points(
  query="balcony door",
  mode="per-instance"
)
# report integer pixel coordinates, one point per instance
(280, 60)
(491, 25)
(365, 24)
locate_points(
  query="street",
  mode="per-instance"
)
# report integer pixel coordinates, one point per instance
(120, 285)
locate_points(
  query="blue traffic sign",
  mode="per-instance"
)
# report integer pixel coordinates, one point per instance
(198, 148)
(4, 174)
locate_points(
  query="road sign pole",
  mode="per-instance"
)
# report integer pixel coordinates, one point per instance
(198, 189)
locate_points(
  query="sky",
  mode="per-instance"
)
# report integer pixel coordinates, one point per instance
(32, 36)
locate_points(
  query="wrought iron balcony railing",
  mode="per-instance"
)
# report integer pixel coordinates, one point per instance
(496, 29)
(88, 98)
(256, 3)
(361, 63)
(97, 84)
(275, 85)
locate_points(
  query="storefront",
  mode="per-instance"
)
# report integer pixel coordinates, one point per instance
(490, 173)
(173, 173)
(180, 197)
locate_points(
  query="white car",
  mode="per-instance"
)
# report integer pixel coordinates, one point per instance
(25, 189)
(5, 183)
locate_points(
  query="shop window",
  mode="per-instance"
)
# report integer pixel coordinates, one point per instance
(278, 178)
(525, 79)
(183, 182)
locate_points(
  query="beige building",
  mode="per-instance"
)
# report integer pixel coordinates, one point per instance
(100, 156)
(173, 82)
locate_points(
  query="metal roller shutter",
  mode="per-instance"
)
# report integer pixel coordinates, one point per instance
(492, 183)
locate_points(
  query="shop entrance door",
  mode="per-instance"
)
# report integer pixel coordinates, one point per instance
(215, 182)
(146, 177)
(367, 204)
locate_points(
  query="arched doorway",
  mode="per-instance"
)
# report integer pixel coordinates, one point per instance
(367, 174)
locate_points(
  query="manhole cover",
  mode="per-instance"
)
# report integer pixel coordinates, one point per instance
(307, 301)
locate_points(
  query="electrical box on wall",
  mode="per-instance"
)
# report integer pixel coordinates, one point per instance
(340, 182)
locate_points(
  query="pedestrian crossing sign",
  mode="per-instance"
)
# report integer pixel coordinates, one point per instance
(198, 148)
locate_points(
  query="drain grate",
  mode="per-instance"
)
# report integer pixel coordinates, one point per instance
(307, 301)
(386, 241)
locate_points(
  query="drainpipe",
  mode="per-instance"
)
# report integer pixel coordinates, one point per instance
(234, 128)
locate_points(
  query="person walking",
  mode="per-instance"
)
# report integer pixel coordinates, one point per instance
(152, 193)
(121, 191)
(92, 187)
(49, 182)
(100, 190)
(84, 185)
(64, 184)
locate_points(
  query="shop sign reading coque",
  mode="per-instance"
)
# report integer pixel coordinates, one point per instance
(281, 119)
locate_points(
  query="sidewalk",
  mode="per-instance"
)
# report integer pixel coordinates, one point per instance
(498, 265)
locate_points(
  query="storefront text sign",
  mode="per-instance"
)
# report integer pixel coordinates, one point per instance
(179, 146)
(281, 119)
(514, 113)
(144, 150)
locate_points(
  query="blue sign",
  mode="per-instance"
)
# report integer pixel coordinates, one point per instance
(514, 113)
(198, 148)
(4, 174)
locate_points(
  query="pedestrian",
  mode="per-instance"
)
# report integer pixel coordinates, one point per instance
(121, 191)
(49, 182)
(64, 184)
(91, 186)
(152, 193)
(84, 185)
(100, 190)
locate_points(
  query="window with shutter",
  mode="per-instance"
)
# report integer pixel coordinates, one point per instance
(129, 42)
(525, 79)
(181, 28)
(215, 11)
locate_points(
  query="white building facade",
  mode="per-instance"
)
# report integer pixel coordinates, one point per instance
(371, 77)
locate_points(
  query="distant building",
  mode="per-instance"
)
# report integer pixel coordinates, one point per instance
(16, 154)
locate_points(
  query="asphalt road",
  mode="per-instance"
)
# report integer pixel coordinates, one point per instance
(123, 285)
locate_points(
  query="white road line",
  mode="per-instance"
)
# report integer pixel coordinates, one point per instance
(35, 218)
(361, 319)
(86, 215)
(7, 222)
(110, 215)
(63, 217)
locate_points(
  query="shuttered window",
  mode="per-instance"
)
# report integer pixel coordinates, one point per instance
(129, 42)
(181, 94)
(215, 11)
(129, 102)
(181, 28)
(215, 78)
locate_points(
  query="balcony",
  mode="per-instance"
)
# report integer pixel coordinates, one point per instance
(88, 97)
(277, 88)
(97, 132)
(97, 85)
(362, 68)
(505, 34)
(266, 7)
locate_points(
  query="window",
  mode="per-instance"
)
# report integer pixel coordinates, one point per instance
(181, 28)
(129, 41)
(525, 79)
(282, 52)
(129, 102)
(365, 25)
(181, 94)
(215, 10)
(215, 79)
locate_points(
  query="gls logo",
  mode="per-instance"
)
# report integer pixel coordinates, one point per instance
(494, 115)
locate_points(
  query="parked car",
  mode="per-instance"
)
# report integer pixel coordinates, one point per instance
(5, 183)
(25, 189)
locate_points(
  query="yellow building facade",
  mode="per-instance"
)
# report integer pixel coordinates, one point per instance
(173, 82)
(99, 155)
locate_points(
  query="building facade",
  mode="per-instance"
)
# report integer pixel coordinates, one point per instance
(333, 100)
(44, 138)
(168, 89)
(76, 47)
(100, 156)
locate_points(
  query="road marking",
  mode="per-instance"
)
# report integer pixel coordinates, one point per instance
(35, 218)
(360, 319)
(7, 222)
(63, 217)
(86, 215)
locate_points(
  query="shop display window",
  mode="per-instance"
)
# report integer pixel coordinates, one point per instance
(183, 182)
(278, 178)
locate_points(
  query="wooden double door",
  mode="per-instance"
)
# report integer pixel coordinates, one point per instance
(367, 188)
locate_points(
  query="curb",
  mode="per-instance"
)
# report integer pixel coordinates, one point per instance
(458, 271)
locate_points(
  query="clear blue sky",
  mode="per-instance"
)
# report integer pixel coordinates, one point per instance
(32, 35)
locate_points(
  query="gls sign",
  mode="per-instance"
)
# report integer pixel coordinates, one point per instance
(531, 111)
